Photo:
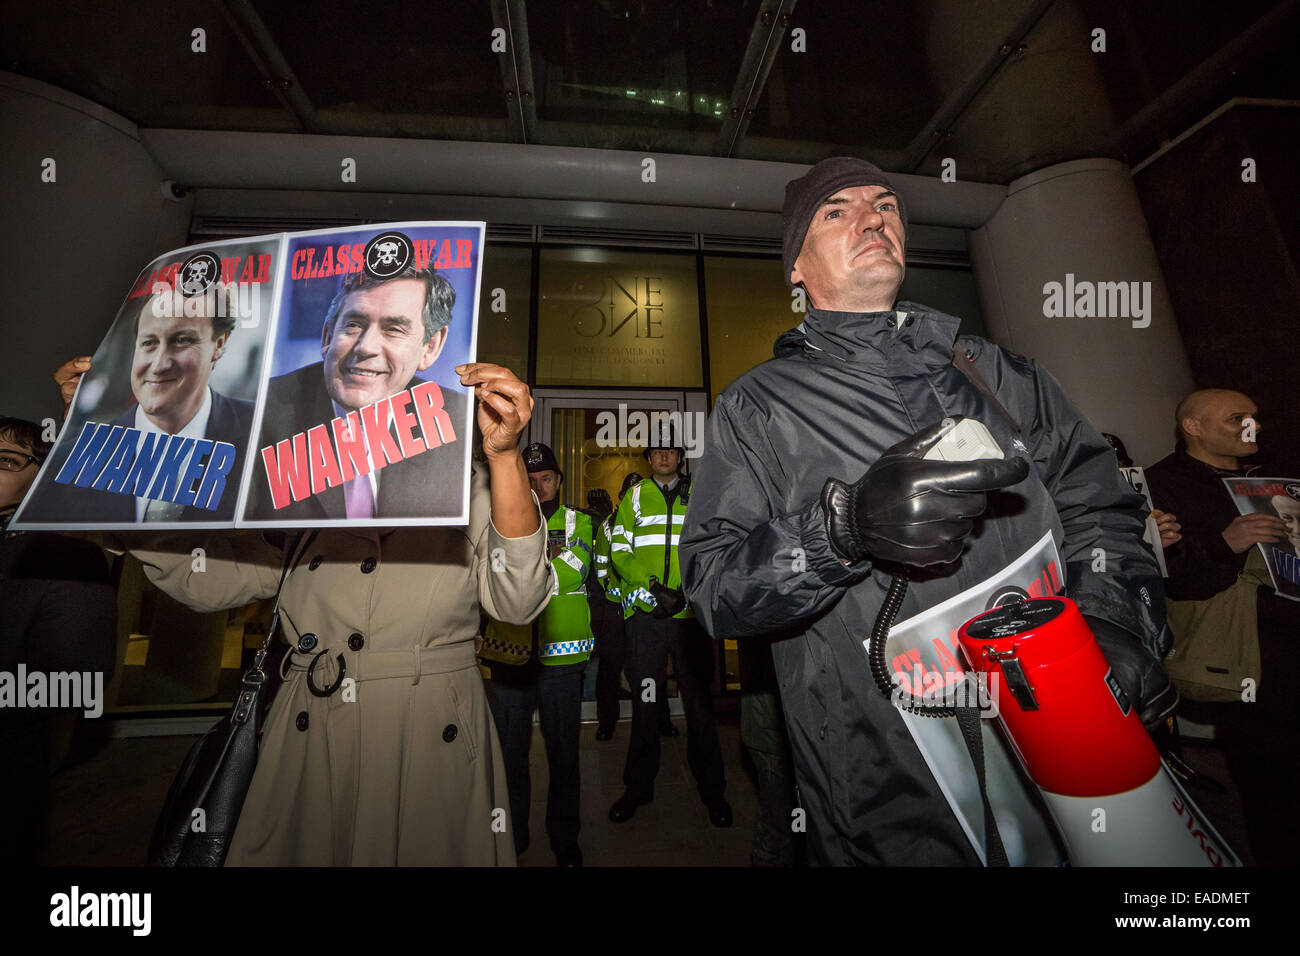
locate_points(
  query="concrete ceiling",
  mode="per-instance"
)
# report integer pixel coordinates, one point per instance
(990, 89)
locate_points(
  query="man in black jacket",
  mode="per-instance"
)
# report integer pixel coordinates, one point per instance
(771, 546)
(1217, 429)
(58, 615)
(377, 334)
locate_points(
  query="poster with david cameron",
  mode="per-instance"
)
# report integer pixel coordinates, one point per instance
(292, 380)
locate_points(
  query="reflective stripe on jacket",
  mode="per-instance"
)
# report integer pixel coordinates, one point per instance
(644, 544)
(606, 576)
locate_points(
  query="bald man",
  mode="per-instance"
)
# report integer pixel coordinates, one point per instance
(1217, 429)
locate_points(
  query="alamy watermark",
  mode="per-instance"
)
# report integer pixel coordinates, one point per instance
(76, 908)
(1083, 299)
(948, 689)
(239, 300)
(638, 429)
(61, 690)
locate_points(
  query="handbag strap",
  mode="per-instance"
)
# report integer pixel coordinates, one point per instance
(292, 556)
(255, 677)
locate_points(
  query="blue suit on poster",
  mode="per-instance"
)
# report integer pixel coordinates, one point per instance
(230, 421)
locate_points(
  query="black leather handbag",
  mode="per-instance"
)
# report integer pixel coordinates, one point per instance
(202, 807)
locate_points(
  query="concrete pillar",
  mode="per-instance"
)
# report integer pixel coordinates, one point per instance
(1075, 224)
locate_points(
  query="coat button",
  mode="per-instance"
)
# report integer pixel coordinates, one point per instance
(356, 642)
(368, 565)
(306, 643)
(301, 720)
(910, 320)
(449, 733)
(315, 563)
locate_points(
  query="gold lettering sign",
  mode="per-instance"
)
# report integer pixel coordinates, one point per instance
(618, 318)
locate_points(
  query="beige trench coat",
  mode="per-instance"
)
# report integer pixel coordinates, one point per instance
(410, 771)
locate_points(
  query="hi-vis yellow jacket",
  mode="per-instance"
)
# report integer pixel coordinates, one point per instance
(644, 544)
(564, 627)
(606, 576)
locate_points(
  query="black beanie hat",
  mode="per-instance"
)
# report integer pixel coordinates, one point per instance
(805, 194)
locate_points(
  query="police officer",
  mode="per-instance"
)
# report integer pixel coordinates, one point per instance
(611, 641)
(540, 666)
(643, 553)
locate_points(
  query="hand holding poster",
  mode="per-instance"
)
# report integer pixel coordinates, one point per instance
(1279, 497)
(287, 380)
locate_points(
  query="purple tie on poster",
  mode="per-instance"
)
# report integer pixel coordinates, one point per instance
(360, 503)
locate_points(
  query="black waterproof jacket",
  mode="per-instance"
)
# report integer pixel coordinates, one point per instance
(756, 558)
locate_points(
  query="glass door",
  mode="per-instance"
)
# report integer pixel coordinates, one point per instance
(598, 437)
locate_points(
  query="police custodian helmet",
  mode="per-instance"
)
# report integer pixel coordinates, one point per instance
(539, 457)
(666, 438)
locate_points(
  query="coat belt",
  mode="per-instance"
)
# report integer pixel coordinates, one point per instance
(381, 665)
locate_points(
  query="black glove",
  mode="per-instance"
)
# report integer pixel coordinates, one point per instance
(1140, 675)
(668, 601)
(909, 510)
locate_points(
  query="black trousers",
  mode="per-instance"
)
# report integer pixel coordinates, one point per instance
(556, 694)
(649, 642)
(611, 656)
(611, 651)
(762, 730)
(25, 792)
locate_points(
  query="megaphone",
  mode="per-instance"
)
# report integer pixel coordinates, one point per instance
(1082, 743)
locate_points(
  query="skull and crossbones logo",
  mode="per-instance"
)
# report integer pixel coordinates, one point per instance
(198, 273)
(387, 254)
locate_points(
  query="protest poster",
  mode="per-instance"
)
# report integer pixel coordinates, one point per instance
(160, 424)
(1279, 497)
(1137, 478)
(363, 420)
(291, 380)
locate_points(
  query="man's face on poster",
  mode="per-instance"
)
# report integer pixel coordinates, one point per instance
(174, 357)
(377, 343)
(1288, 510)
